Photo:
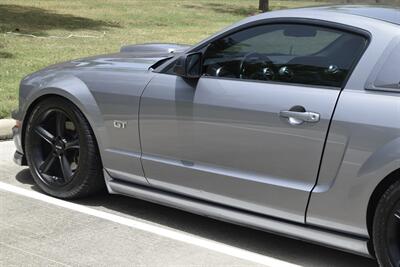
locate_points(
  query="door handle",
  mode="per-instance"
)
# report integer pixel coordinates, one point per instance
(298, 117)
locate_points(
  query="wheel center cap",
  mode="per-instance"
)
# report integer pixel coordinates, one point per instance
(58, 146)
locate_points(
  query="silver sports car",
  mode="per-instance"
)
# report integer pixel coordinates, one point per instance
(287, 121)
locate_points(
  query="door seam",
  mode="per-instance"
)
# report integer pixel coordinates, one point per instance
(322, 157)
(139, 132)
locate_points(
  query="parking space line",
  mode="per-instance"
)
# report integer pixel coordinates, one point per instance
(154, 229)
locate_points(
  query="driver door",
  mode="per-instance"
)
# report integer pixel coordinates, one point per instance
(250, 132)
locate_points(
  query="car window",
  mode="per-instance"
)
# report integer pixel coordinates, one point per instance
(290, 53)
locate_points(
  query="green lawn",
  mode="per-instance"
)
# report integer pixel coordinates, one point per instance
(123, 21)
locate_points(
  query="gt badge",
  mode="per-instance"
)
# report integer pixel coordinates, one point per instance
(120, 124)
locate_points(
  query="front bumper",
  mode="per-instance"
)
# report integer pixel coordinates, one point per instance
(19, 157)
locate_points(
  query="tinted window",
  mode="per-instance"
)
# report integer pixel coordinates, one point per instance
(301, 54)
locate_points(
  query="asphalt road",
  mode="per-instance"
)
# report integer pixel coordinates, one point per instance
(110, 230)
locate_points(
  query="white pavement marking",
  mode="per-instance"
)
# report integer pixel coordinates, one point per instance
(169, 233)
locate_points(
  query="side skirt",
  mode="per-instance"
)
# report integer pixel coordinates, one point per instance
(353, 244)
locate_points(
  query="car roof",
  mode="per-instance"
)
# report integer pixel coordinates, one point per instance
(380, 12)
(378, 20)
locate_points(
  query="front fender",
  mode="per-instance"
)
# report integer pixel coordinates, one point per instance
(70, 88)
(105, 95)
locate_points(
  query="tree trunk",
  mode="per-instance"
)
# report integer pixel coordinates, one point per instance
(263, 5)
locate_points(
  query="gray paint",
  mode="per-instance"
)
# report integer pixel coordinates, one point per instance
(105, 88)
(154, 48)
(386, 75)
(190, 133)
(309, 234)
(363, 147)
(223, 140)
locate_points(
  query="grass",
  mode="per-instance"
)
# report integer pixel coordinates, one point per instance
(123, 21)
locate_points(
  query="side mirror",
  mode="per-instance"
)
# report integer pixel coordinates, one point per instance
(189, 65)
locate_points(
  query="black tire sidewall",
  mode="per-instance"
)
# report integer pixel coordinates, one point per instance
(389, 200)
(73, 188)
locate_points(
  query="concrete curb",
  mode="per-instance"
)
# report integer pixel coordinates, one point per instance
(6, 128)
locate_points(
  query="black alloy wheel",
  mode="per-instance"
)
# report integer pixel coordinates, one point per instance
(386, 227)
(393, 235)
(57, 148)
(62, 151)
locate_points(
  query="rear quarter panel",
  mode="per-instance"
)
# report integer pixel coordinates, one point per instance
(362, 148)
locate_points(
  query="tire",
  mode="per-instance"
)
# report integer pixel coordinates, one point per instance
(61, 150)
(386, 227)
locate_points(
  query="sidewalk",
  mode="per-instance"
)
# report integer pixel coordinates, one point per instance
(5, 128)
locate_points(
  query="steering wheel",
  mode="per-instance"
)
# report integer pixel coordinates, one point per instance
(256, 66)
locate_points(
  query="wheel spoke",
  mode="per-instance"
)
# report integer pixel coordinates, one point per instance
(72, 144)
(44, 134)
(60, 124)
(65, 167)
(397, 214)
(45, 166)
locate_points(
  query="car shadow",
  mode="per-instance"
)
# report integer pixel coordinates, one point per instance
(286, 249)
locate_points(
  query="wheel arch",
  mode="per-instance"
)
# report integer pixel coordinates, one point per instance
(89, 110)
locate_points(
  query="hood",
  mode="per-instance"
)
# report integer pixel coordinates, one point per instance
(132, 57)
(155, 48)
(138, 57)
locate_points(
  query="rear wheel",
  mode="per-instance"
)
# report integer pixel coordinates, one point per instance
(61, 150)
(386, 227)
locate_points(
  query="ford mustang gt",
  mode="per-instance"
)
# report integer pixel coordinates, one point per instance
(287, 121)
